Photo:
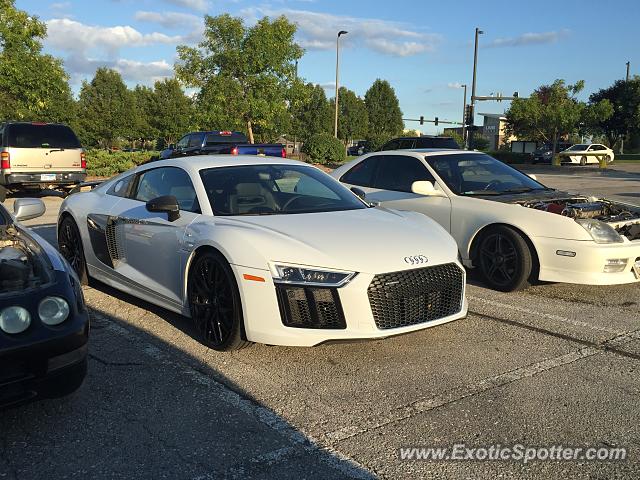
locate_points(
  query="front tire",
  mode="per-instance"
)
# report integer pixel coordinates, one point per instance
(504, 259)
(583, 161)
(214, 303)
(71, 248)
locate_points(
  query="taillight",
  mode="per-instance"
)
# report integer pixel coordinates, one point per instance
(5, 160)
(234, 151)
(83, 160)
(284, 152)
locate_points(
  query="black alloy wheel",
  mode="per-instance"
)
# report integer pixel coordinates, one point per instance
(504, 259)
(583, 161)
(70, 247)
(214, 302)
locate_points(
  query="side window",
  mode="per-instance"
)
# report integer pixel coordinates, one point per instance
(195, 139)
(121, 187)
(406, 143)
(392, 145)
(363, 173)
(183, 142)
(398, 172)
(168, 181)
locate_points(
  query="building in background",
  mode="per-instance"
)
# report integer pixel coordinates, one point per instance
(494, 130)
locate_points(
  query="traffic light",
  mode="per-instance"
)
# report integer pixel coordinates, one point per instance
(515, 94)
(421, 120)
(468, 118)
(435, 122)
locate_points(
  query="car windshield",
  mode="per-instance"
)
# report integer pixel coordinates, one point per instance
(579, 147)
(26, 135)
(275, 190)
(480, 174)
(226, 137)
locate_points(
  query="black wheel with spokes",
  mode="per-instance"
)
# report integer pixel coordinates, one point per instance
(70, 246)
(583, 161)
(214, 302)
(504, 259)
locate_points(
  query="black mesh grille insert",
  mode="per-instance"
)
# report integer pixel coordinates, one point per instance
(416, 296)
(310, 307)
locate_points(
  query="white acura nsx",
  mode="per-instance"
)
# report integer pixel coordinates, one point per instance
(507, 224)
(258, 249)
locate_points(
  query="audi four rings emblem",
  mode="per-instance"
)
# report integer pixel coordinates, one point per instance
(416, 260)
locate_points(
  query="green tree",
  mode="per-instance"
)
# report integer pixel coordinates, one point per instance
(385, 116)
(550, 112)
(310, 111)
(33, 86)
(172, 111)
(353, 120)
(104, 109)
(624, 99)
(246, 70)
(143, 101)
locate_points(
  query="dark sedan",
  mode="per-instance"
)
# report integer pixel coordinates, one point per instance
(44, 323)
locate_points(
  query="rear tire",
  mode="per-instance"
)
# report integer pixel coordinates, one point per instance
(215, 304)
(583, 161)
(504, 259)
(71, 248)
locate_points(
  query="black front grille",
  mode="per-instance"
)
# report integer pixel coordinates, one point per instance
(410, 297)
(310, 307)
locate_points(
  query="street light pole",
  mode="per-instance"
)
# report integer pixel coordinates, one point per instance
(622, 139)
(464, 108)
(335, 124)
(473, 87)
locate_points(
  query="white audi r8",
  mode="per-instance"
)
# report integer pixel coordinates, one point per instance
(507, 224)
(268, 250)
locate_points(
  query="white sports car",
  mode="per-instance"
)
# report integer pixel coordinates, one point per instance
(584, 153)
(258, 249)
(506, 223)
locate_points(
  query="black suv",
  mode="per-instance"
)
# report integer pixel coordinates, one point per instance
(408, 143)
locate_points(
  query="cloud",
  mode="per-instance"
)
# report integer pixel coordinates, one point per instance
(539, 38)
(197, 5)
(317, 31)
(170, 20)
(131, 70)
(69, 35)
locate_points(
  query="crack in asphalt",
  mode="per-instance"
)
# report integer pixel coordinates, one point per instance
(93, 356)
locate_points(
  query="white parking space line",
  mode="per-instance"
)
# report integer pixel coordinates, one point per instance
(349, 467)
(557, 318)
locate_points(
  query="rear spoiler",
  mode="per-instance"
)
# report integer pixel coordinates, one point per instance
(85, 185)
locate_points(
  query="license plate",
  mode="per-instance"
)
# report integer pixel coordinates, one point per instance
(48, 177)
(636, 268)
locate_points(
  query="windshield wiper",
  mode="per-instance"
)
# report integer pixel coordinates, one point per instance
(482, 192)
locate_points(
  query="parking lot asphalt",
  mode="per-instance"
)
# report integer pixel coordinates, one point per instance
(555, 365)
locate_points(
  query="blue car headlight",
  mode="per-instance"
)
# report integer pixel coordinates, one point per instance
(14, 319)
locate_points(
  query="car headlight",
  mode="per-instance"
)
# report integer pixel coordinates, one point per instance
(600, 231)
(14, 319)
(53, 310)
(295, 274)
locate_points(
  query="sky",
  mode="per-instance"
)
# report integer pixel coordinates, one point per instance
(423, 48)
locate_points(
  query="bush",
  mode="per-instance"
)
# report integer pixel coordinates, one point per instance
(103, 163)
(324, 148)
(377, 141)
(480, 143)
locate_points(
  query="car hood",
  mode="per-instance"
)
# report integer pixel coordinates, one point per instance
(372, 240)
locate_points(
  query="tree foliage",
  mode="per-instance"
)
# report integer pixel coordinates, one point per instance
(353, 121)
(247, 71)
(324, 148)
(104, 109)
(310, 111)
(33, 86)
(624, 100)
(383, 109)
(171, 112)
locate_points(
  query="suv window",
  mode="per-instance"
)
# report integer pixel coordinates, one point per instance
(33, 135)
(392, 145)
(183, 142)
(398, 172)
(436, 142)
(121, 187)
(195, 140)
(168, 181)
(362, 174)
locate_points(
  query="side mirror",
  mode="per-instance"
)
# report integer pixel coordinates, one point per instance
(165, 204)
(28, 208)
(426, 188)
(531, 175)
(359, 193)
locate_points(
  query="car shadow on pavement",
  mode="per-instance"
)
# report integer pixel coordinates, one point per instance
(148, 409)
